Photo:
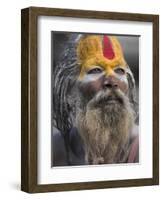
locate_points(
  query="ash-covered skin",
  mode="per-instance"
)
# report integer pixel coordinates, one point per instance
(96, 80)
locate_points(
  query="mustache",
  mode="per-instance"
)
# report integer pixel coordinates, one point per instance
(108, 96)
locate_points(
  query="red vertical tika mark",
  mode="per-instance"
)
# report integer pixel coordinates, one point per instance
(107, 48)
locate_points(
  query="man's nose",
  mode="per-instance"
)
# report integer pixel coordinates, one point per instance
(110, 82)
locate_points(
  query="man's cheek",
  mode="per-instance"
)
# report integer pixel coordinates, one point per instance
(123, 84)
(89, 86)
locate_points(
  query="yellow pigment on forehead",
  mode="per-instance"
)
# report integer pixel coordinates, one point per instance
(90, 54)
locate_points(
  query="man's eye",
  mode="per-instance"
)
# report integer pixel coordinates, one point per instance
(119, 71)
(94, 71)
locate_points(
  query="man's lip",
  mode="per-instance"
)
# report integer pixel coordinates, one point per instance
(111, 99)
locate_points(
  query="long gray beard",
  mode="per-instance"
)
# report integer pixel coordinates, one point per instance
(105, 128)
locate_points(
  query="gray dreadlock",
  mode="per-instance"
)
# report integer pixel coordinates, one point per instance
(65, 73)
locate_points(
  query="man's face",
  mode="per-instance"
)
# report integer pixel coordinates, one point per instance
(103, 68)
(107, 79)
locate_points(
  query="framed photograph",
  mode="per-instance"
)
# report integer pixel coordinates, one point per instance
(90, 99)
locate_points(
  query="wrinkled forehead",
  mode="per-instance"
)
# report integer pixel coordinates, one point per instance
(99, 50)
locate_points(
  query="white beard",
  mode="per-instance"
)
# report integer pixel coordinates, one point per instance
(105, 131)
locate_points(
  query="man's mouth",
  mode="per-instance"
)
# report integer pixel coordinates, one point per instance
(110, 100)
(106, 98)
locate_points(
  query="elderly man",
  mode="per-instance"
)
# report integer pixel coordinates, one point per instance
(94, 104)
